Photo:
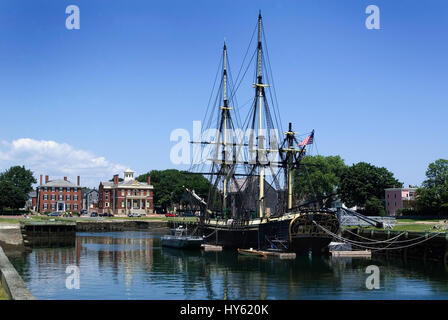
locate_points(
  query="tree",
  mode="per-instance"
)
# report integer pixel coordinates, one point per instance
(432, 197)
(169, 185)
(11, 196)
(15, 184)
(318, 178)
(363, 185)
(19, 177)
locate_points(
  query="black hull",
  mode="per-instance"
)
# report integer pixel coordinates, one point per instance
(265, 235)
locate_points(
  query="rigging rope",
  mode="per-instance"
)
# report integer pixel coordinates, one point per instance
(374, 248)
(401, 241)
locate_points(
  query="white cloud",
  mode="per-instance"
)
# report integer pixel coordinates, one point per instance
(57, 160)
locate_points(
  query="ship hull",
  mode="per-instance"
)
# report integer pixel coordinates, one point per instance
(293, 234)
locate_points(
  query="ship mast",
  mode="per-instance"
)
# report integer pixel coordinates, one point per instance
(259, 92)
(225, 112)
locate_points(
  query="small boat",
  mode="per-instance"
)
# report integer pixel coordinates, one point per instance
(252, 252)
(180, 239)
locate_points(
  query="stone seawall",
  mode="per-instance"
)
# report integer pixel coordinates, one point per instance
(11, 281)
(107, 226)
(426, 246)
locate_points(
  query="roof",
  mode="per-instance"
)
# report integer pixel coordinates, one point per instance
(395, 189)
(127, 184)
(60, 183)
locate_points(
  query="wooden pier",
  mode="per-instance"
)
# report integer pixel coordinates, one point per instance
(209, 247)
(361, 253)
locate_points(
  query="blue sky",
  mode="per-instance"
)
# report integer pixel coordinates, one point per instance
(93, 101)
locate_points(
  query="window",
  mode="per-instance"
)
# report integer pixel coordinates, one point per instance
(122, 192)
(53, 197)
(67, 197)
(67, 207)
(129, 192)
(75, 197)
(53, 206)
(75, 207)
(45, 197)
(61, 197)
(395, 195)
(45, 189)
(68, 189)
(135, 192)
(45, 206)
(107, 204)
(387, 196)
(122, 204)
(60, 189)
(75, 189)
(53, 189)
(395, 204)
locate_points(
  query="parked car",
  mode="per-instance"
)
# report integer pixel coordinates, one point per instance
(106, 214)
(83, 211)
(188, 214)
(134, 215)
(170, 214)
(94, 214)
(54, 214)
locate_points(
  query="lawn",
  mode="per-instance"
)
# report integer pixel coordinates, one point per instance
(413, 220)
(412, 227)
(3, 295)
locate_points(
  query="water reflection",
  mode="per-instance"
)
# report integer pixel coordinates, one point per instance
(133, 265)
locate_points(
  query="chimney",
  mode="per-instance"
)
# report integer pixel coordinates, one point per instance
(78, 181)
(149, 179)
(116, 179)
(65, 178)
(40, 179)
(46, 179)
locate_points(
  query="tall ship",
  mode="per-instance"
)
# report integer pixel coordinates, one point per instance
(250, 164)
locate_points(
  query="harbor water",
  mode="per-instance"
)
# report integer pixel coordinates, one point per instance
(134, 265)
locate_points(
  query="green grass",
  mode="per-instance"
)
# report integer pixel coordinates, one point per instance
(413, 220)
(416, 227)
(3, 295)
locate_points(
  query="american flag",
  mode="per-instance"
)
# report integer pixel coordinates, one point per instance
(308, 140)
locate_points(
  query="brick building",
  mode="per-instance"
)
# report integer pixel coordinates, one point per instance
(127, 196)
(58, 195)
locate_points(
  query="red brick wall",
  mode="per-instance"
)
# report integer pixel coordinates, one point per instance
(56, 193)
(115, 198)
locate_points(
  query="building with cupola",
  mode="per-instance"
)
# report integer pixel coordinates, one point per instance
(125, 196)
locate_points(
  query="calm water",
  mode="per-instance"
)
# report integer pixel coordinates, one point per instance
(133, 265)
